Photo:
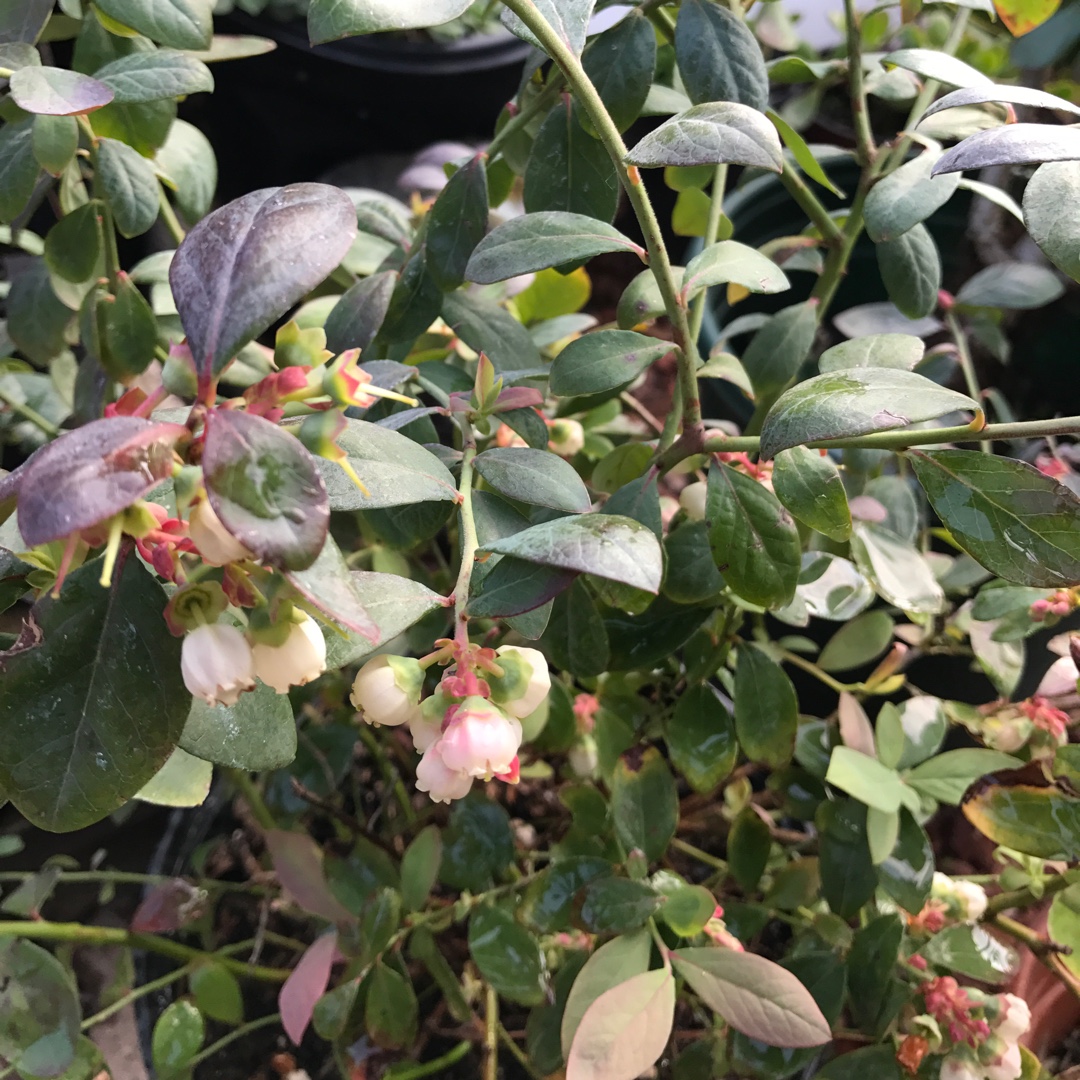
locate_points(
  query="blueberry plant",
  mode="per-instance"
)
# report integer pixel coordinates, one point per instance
(351, 495)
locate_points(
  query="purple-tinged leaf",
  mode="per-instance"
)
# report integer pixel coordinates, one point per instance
(1015, 95)
(1014, 144)
(52, 91)
(167, 907)
(327, 584)
(246, 264)
(518, 397)
(90, 474)
(754, 995)
(625, 1030)
(266, 489)
(307, 983)
(298, 863)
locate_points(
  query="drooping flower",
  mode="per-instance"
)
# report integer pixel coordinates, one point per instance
(217, 663)
(299, 660)
(692, 500)
(434, 776)
(1014, 1018)
(958, 1066)
(525, 681)
(480, 740)
(387, 690)
(565, 437)
(215, 543)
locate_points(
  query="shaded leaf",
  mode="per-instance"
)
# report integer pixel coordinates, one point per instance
(457, 223)
(712, 134)
(1015, 95)
(910, 267)
(907, 874)
(897, 569)
(150, 76)
(491, 329)
(848, 876)
(778, 349)
(1012, 285)
(859, 642)
(390, 1008)
(1014, 144)
(620, 63)
(1049, 193)
(536, 477)
(257, 733)
(56, 91)
(808, 483)
(129, 185)
(719, 58)
(180, 24)
(18, 168)
(900, 351)
(305, 985)
(644, 803)
(766, 709)
(507, 955)
(568, 18)
(947, 776)
(701, 740)
(906, 197)
(177, 1037)
(298, 863)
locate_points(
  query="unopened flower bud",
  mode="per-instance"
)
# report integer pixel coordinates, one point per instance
(1014, 1019)
(481, 740)
(524, 683)
(692, 500)
(1006, 1064)
(960, 1067)
(970, 898)
(300, 659)
(217, 664)
(216, 544)
(425, 724)
(441, 782)
(387, 690)
(566, 437)
(584, 757)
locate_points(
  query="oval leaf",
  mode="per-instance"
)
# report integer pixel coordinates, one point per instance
(939, 66)
(332, 19)
(808, 483)
(901, 351)
(1014, 144)
(906, 197)
(766, 709)
(719, 58)
(536, 477)
(179, 24)
(246, 264)
(54, 91)
(754, 995)
(457, 223)
(150, 76)
(856, 401)
(712, 134)
(1015, 95)
(911, 270)
(1048, 198)
(603, 361)
(507, 955)
(129, 185)
(730, 261)
(897, 568)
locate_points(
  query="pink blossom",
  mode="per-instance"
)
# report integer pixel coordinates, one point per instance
(435, 777)
(480, 740)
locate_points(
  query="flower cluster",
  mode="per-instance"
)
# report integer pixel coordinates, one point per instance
(950, 901)
(470, 727)
(1058, 604)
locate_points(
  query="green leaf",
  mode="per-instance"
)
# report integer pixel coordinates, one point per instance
(355, 319)
(491, 329)
(507, 955)
(858, 642)
(906, 197)
(766, 709)
(626, 1030)
(947, 776)
(128, 331)
(129, 186)
(73, 244)
(611, 965)
(568, 18)
(1063, 925)
(908, 872)
(246, 264)
(217, 993)
(1049, 193)
(919, 728)
(328, 586)
(95, 709)
(802, 153)
(719, 58)
(179, 24)
(256, 733)
(897, 568)
(550, 900)
(754, 995)
(55, 140)
(900, 351)
(864, 778)
(183, 781)
(52, 91)
(149, 76)
(691, 573)
(871, 963)
(420, 867)
(940, 66)
(971, 951)
(848, 877)
(609, 546)
(1018, 523)
(265, 488)
(701, 739)
(1023, 16)
(712, 134)
(641, 301)
(856, 401)
(1039, 821)
(18, 168)
(186, 160)
(831, 587)
(911, 269)
(1012, 285)
(394, 469)
(617, 904)
(536, 477)
(390, 1008)
(457, 223)
(477, 845)
(778, 349)
(576, 637)
(332, 19)
(687, 908)
(536, 241)
(749, 842)
(1014, 144)
(569, 170)
(808, 483)
(620, 63)
(644, 803)
(876, 1061)
(177, 1038)
(39, 1007)
(604, 360)
(754, 540)
(730, 261)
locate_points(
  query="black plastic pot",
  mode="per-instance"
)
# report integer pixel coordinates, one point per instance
(296, 112)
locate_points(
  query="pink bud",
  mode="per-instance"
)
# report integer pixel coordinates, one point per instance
(481, 740)
(435, 777)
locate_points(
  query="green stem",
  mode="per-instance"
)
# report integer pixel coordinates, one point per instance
(908, 437)
(712, 231)
(967, 365)
(1038, 945)
(469, 540)
(539, 104)
(47, 427)
(701, 856)
(811, 206)
(430, 1068)
(812, 669)
(168, 215)
(860, 114)
(491, 1033)
(238, 1033)
(120, 877)
(1022, 898)
(249, 792)
(660, 263)
(77, 934)
(519, 1056)
(133, 996)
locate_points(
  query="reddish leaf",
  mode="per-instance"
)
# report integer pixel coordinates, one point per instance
(307, 983)
(298, 862)
(90, 474)
(625, 1030)
(166, 907)
(1022, 16)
